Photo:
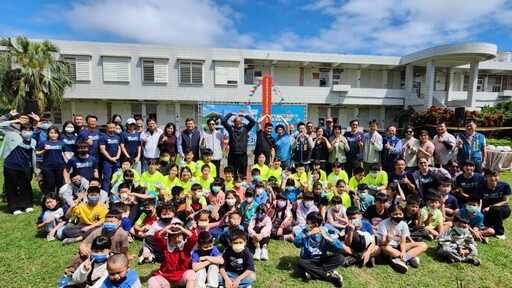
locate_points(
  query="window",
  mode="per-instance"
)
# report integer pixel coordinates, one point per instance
(191, 72)
(250, 75)
(154, 70)
(116, 69)
(336, 76)
(226, 72)
(80, 67)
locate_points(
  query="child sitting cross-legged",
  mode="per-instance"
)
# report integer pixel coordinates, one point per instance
(476, 220)
(120, 274)
(457, 244)
(94, 267)
(238, 268)
(259, 232)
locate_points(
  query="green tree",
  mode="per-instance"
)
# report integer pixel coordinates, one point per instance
(29, 70)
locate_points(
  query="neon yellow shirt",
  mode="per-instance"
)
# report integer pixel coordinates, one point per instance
(296, 177)
(186, 186)
(352, 184)
(278, 173)
(118, 175)
(345, 198)
(263, 170)
(191, 165)
(200, 163)
(147, 180)
(382, 179)
(205, 183)
(168, 184)
(332, 179)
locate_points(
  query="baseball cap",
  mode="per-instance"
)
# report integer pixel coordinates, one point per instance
(130, 121)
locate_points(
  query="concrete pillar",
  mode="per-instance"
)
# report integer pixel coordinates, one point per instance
(430, 80)
(73, 108)
(355, 115)
(385, 79)
(272, 71)
(461, 83)
(449, 83)
(409, 77)
(358, 78)
(484, 85)
(472, 82)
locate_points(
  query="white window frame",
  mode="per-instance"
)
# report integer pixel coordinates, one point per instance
(189, 65)
(227, 72)
(80, 66)
(160, 70)
(116, 69)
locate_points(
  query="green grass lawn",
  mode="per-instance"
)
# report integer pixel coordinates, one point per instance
(28, 260)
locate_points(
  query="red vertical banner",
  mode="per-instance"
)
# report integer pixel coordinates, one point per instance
(266, 101)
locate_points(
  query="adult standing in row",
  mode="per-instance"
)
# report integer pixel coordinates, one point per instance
(189, 138)
(265, 143)
(214, 140)
(471, 145)
(284, 143)
(302, 147)
(168, 141)
(339, 149)
(78, 120)
(149, 140)
(110, 149)
(444, 144)
(329, 127)
(409, 151)
(238, 140)
(372, 146)
(131, 145)
(321, 147)
(91, 135)
(355, 139)
(392, 148)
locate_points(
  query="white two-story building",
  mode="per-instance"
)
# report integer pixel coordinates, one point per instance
(170, 83)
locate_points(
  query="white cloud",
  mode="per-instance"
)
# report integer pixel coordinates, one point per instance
(190, 22)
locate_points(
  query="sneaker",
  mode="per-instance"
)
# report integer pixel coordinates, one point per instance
(50, 238)
(307, 277)
(371, 262)
(17, 212)
(264, 254)
(349, 261)
(68, 241)
(501, 237)
(485, 240)
(335, 278)
(64, 281)
(151, 258)
(415, 262)
(399, 264)
(472, 260)
(141, 259)
(29, 209)
(257, 254)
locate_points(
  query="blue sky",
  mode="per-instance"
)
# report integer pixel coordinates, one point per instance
(381, 27)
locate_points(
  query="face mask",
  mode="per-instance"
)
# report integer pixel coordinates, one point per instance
(26, 134)
(290, 188)
(215, 189)
(69, 130)
(118, 122)
(45, 126)
(179, 201)
(118, 131)
(362, 196)
(308, 204)
(356, 222)
(244, 184)
(260, 216)
(281, 204)
(397, 219)
(256, 177)
(83, 152)
(375, 174)
(471, 208)
(206, 252)
(98, 258)
(259, 191)
(109, 227)
(202, 224)
(93, 200)
(166, 159)
(148, 212)
(231, 202)
(249, 199)
(460, 231)
(309, 227)
(238, 185)
(166, 220)
(238, 247)
(128, 181)
(181, 244)
(338, 207)
(77, 183)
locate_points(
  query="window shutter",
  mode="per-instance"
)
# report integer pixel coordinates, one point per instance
(72, 67)
(83, 68)
(185, 73)
(226, 73)
(116, 69)
(197, 73)
(160, 70)
(148, 70)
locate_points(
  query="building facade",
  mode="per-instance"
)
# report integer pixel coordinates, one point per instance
(170, 83)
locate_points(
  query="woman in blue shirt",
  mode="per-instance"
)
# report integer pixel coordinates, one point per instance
(53, 151)
(18, 151)
(69, 136)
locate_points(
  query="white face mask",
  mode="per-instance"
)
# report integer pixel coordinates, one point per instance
(231, 202)
(69, 130)
(375, 175)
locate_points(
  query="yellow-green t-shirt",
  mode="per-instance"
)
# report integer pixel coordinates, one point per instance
(168, 184)
(263, 170)
(278, 173)
(205, 183)
(332, 179)
(199, 165)
(118, 175)
(147, 180)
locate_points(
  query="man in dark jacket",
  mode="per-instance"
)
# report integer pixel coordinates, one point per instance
(238, 140)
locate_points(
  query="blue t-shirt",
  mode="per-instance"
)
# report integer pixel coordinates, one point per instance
(84, 166)
(111, 143)
(493, 196)
(398, 179)
(476, 220)
(284, 147)
(70, 141)
(198, 253)
(451, 202)
(20, 158)
(472, 147)
(292, 195)
(355, 153)
(85, 135)
(238, 263)
(366, 227)
(54, 157)
(469, 185)
(131, 143)
(39, 136)
(262, 198)
(126, 224)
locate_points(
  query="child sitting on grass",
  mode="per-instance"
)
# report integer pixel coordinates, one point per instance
(120, 274)
(476, 220)
(359, 240)
(52, 217)
(314, 242)
(431, 215)
(238, 267)
(457, 244)
(259, 232)
(95, 267)
(206, 260)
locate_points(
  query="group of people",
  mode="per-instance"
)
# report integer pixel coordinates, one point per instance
(343, 199)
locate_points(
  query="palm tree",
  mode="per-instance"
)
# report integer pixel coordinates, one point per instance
(30, 72)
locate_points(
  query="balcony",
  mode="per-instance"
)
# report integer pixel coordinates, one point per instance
(340, 88)
(505, 93)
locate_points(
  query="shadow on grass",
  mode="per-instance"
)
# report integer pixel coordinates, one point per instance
(145, 278)
(290, 264)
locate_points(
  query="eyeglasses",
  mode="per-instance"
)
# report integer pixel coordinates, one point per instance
(408, 132)
(421, 163)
